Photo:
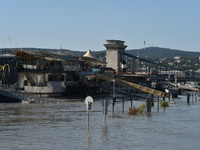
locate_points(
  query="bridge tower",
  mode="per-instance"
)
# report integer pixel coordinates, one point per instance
(114, 57)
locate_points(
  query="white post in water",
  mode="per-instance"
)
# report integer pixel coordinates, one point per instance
(123, 104)
(114, 97)
(88, 114)
(148, 105)
(188, 97)
(104, 112)
(192, 97)
(196, 96)
(114, 88)
(88, 102)
(105, 104)
(158, 104)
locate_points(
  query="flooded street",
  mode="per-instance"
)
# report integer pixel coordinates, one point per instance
(63, 126)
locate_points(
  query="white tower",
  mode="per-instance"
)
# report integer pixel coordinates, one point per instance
(114, 58)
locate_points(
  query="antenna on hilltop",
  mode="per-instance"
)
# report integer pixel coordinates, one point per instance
(60, 48)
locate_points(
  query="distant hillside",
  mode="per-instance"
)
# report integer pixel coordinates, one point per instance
(158, 52)
(150, 52)
(10, 50)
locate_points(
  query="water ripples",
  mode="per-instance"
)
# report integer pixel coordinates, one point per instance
(64, 126)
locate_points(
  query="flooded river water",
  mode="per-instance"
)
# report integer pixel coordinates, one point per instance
(63, 126)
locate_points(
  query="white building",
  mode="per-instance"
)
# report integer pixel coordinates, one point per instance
(45, 73)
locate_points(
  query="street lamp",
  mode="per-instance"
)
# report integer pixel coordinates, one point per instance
(113, 88)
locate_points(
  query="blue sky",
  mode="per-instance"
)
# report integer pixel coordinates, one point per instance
(87, 24)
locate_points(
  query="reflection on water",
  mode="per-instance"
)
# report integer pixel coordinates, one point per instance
(64, 126)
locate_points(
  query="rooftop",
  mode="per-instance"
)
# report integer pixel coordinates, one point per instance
(45, 55)
(115, 42)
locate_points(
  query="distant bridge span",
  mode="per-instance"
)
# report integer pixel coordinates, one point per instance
(184, 87)
(136, 57)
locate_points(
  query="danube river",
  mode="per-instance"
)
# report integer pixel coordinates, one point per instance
(63, 126)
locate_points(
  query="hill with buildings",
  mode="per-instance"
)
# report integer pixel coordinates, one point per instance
(157, 52)
(149, 52)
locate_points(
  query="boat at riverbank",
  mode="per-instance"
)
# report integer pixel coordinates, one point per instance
(48, 74)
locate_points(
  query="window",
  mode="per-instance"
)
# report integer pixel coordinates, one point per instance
(56, 78)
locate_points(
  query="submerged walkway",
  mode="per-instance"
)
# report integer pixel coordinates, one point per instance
(130, 84)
